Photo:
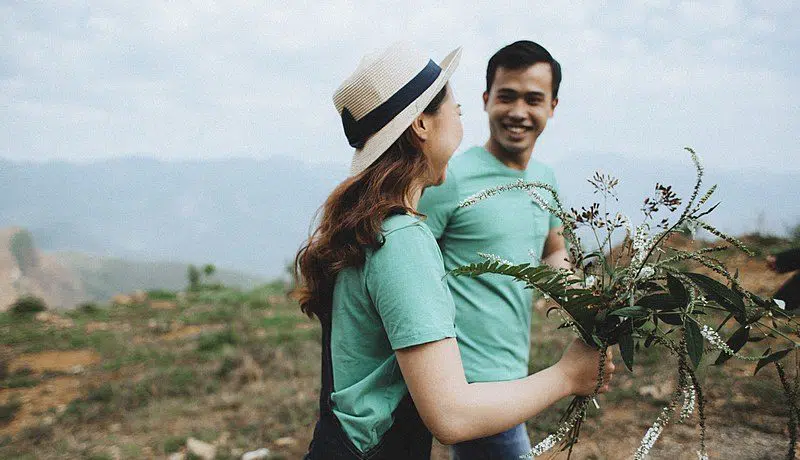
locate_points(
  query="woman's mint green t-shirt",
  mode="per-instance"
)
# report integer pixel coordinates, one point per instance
(397, 299)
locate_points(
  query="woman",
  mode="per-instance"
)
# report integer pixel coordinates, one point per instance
(373, 274)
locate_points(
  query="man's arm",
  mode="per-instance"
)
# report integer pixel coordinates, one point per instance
(555, 249)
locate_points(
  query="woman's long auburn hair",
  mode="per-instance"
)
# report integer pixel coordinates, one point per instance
(353, 214)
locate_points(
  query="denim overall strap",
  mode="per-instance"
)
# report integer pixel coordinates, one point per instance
(408, 438)
(326, 389)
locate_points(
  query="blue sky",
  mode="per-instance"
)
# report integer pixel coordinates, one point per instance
(81, 80)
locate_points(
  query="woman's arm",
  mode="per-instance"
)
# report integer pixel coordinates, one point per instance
(456, 411)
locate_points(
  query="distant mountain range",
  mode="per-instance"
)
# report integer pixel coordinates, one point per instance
(252, 215)
(65, 279)
(102, 277)
(751, 201)
(244, 214)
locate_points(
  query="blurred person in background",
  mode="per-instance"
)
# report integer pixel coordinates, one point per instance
(785, 262)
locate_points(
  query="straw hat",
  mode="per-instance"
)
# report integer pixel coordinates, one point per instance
(384, 95)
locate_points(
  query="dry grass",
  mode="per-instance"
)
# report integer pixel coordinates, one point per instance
(233, 369)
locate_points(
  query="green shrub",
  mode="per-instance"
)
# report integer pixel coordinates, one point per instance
(180, 382)
(194, 277)
(216, 340)
(259, 304)
(139, 395)
(37, 434)
(88, 308)
(18, 380)
(794, 234)
(173, 444)
(218, 314)
(228, 365)
(3, 365)
(8, 411)
(103, 394)
(99, 457)
(27, 305)
(161, 294)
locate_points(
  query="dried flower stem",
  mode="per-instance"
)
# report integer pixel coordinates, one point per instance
(790, 400)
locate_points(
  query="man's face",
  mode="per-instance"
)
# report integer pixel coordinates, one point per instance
(519, 104)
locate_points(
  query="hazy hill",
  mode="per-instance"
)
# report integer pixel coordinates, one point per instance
(24, 270)
(102, 277)
(251, 215)
(751, 200)
(244, 214)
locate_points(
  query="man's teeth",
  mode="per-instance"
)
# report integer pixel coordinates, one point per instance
(516, 129)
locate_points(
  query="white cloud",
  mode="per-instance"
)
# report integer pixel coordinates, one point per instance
(187, 79)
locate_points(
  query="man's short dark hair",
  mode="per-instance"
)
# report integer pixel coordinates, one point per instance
(520, 55)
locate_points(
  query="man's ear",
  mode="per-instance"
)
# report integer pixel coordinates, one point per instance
(421, 127)
(553, 107)
(485, 99)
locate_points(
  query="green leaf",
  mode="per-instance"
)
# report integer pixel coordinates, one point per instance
(778, 355)
(543, 277)
(588, 256)
(649, 286)
(694, 341)
(736, 342)
(631, 312)
(671, 318)
(607, 267)
(661, 302)
(584, 319)
(757, 338)
(677, 290)
(626, 348)
(718, 292)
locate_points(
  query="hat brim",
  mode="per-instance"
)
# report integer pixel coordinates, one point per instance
(379, 142)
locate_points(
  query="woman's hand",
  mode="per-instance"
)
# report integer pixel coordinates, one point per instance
(579, 366)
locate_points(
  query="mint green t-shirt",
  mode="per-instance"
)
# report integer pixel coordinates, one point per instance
(493, 312)
(397, 299)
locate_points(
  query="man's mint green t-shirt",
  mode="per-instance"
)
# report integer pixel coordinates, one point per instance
(493, 312)
(397, 299)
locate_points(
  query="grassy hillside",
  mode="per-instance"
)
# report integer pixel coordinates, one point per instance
(239, 369)
(103, 276)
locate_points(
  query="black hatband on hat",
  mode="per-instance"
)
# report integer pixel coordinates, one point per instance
(358, 131)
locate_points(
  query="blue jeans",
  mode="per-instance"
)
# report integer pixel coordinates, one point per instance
(508, 445)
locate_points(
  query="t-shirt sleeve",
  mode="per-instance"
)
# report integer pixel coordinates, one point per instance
(554, 220)
(405, 281)
(438, 204)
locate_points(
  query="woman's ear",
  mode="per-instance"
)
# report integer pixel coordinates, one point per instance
(421, 127)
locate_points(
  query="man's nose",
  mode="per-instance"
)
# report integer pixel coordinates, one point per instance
(517, 111)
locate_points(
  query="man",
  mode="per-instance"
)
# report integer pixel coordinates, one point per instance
(493, 313)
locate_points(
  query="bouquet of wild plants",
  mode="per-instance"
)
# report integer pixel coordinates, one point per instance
(641, 295)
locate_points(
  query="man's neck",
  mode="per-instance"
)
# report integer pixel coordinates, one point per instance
(517, 161)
